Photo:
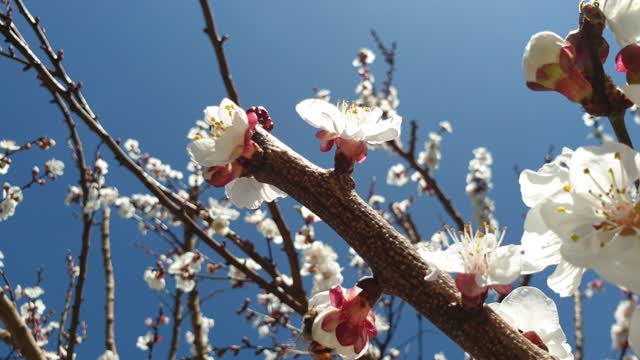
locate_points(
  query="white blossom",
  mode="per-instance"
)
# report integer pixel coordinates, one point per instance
(597, 219)
(55, 167)
(397, 175)
(132, 147)
(154, 279)
(530, 311)
(184, 269)
(542, 246)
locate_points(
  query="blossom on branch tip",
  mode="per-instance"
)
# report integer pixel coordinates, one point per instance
(533, 314)
(550, 64)
(349, 126)
(221, 149)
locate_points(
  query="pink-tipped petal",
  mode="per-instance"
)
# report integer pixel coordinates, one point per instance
(336, 296)
(252, 119)
(219, 176)
(326, 145)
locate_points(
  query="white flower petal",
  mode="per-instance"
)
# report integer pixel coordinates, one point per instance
(543, 48)
(622, 17)
(505, 265)
(599, 160)
(541, 246)
(529, 309)
(566, 279)
(632, 91)
(247, 192)
(322, 115)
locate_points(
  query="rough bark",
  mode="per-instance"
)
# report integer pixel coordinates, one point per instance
(392, 258)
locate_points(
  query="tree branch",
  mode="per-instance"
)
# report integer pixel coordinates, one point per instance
(19, 331)
(177, 321)
(110, 285)
(577, 316)
(432, 184)
(217, 44)
(289, 248)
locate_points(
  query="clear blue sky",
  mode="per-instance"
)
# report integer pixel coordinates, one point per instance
(149, 70)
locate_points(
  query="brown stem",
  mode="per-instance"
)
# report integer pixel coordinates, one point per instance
(620, 129)
(19, 331)
(177, 321)
(217, 44)
(289, 248)
(110, 284)
(195, 314)
(67, 299)
(577, 316)
(193, 299)
(431, 183)
(86, 223)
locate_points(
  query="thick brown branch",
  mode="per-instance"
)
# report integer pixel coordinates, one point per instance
(393, 260)
(110, 284)
(19, 331)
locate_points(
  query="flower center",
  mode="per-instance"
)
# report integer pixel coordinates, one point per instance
(351, 111)
(476, 248)
(616, 205)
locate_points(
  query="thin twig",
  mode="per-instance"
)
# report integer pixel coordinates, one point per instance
(67, 298)
(289, 248)
(431, 183)
(177, 321)
(110, 284)
(217, 44)
(577, 316)
(86, 224)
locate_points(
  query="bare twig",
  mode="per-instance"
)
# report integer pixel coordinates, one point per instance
(577, 316)
(19, 331)
(177, 321)
(110, 284)
(67, 298)
(86, 223)
(431, 183)
(217, 44)
(290, 250)
(193, 299)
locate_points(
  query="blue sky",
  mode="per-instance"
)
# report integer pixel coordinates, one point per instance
(148, 71)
